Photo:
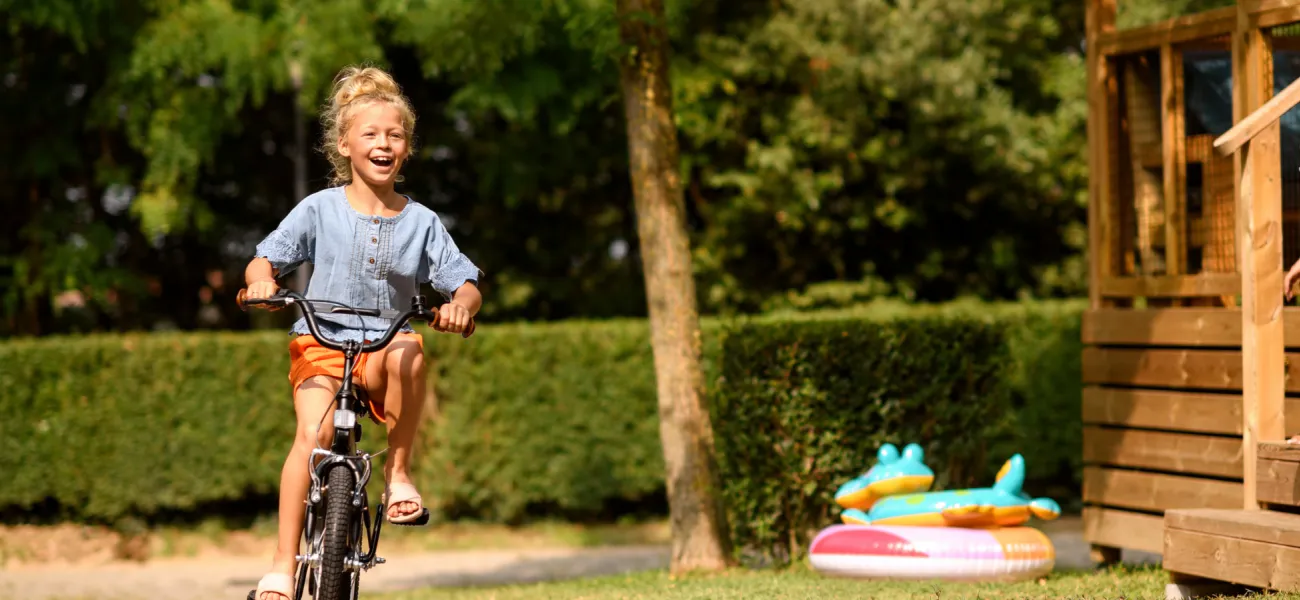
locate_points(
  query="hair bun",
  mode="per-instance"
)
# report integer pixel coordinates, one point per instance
(358, 82)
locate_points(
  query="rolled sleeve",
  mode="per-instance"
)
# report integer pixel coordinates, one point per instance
(289, 245)
(448, 267)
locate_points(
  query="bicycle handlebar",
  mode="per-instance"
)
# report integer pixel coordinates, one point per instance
(308, 309)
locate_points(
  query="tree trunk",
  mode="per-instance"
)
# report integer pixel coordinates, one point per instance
(303, 274)
(700, 539)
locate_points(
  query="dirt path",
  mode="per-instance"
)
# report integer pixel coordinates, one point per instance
(230, 577)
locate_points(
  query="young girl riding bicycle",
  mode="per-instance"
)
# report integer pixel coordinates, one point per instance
(369, 247)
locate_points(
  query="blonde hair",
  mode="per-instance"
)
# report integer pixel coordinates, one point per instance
(356, 86)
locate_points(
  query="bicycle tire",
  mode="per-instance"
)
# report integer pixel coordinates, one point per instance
(335, 580)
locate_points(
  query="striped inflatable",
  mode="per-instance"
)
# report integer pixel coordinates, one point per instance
(938, 553)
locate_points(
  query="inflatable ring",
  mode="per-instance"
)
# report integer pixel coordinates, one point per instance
(932, 553)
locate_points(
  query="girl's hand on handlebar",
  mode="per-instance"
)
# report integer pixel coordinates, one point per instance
(452, 317)
(262, 288)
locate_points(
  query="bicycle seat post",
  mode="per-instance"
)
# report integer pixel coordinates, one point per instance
(417, 303)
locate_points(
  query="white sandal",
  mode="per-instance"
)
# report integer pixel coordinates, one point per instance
(274, 583)
(403, 492)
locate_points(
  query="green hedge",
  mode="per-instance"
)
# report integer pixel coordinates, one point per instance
(106, 426)
(549, 418)
(802, 406)
(533, 418)
(1044, 376)
(530, 418)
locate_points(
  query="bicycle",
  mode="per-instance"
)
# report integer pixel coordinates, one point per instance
(337, 503)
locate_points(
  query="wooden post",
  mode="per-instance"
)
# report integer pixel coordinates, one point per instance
(1100, 17)
(1175, 160)
(1259, 233)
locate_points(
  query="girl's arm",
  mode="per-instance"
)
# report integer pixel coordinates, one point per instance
(285, 248)
(454, 276)
(259, 269)
(455, 315)
(259, 278)
(469, 297)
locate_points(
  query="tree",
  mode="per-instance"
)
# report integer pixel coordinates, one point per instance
(699, 530)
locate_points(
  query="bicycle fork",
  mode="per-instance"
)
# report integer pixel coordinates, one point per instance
(360, 465)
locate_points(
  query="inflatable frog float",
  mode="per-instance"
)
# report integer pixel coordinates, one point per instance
(893, 492)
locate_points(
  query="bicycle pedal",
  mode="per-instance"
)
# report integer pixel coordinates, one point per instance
(419, 521)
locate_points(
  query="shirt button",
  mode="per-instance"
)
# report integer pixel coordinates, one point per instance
(372, 261)
(375, 221)
(374, 240)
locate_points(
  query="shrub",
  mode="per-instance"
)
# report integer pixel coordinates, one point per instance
(801, 406)
(103, 427)
(106, 426)
(554, 418)
(535, 419)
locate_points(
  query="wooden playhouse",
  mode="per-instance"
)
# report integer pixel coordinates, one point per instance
(1194, 218)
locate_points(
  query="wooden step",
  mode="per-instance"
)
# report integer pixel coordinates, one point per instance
(1277, 473)
(1257, 548)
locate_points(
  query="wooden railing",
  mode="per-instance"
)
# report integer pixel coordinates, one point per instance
(1254, 123)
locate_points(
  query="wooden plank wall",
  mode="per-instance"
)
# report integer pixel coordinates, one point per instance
(1176, 398)
(1162, 418)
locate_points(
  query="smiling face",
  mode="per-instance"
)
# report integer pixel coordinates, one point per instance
(376, 143)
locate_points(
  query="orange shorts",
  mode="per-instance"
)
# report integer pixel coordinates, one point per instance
(308, 358)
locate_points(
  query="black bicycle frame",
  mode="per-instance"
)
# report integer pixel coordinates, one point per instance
(347, 427)
(344, 440)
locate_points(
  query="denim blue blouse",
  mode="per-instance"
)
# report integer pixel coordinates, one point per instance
(365, 261)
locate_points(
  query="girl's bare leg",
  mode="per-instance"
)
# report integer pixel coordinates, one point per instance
(399, 379)
(314, 404)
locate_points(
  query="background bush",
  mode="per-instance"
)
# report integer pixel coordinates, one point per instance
(544, 419)
(803, 405)
(531, 420)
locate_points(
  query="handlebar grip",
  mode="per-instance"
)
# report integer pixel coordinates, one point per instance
(243, 301)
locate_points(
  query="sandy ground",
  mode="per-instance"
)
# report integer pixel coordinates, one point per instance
(214, 576)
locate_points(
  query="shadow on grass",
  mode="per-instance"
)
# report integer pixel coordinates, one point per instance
(606, 562)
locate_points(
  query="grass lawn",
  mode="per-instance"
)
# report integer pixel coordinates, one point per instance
(801, 582)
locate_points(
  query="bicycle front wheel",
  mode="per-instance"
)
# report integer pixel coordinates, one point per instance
(335, 579)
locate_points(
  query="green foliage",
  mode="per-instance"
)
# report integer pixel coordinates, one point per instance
(552, 419)
(557, 418)
(1137, 14)
(936, 149)
(803, 405)
(107, 426)
(911, 142)
(196, 66)
(821, 140)
(1044, 342)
